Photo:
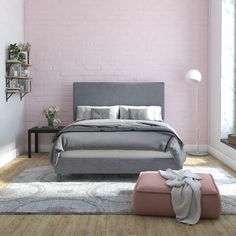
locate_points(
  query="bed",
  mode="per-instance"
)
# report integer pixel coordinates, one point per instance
(116, 146)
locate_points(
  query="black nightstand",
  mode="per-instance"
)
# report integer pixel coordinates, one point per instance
(36, 131)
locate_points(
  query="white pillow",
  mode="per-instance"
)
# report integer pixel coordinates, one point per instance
(84, 112)
(131, 112)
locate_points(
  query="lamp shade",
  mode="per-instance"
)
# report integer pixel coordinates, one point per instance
(193, 76)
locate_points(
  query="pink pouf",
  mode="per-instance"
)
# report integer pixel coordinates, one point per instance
(152, 196)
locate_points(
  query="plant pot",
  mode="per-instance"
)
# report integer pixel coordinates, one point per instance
(12, 56)
(50, 123)
(23, 57)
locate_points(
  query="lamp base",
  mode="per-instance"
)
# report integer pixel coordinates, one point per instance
(196, 153)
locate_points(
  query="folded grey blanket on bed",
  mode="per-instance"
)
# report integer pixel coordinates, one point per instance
(185, 194)
(118, 135)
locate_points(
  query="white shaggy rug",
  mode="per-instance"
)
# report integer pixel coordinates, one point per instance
(35, 190)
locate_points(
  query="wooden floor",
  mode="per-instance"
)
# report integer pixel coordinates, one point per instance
(108, 225)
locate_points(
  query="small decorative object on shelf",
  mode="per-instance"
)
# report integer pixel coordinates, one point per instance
(18, 79)
(50, 113)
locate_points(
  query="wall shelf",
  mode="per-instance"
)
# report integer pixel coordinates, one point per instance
(22, 94)
(17, 80)
(17, 77)
(18, 62)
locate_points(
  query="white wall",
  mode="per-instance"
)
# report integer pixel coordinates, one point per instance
(12, 126)
(219, 150)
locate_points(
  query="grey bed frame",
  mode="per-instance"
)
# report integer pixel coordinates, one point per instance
(106, 94)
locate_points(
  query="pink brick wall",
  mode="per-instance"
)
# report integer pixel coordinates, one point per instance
(118, 40)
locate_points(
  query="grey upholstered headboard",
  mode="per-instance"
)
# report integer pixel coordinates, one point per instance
(109, 93)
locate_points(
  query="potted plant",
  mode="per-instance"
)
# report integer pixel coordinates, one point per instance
(19, 52)
(24, 52)
(14, 51)
(25, 47)
(50, 114)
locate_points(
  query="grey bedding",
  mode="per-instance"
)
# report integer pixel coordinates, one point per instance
(119, 135)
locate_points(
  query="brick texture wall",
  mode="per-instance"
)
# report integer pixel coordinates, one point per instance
(118, 40)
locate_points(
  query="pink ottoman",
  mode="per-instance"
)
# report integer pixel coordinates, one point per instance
(152, 196)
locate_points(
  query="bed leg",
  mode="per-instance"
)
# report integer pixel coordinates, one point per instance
(58, 177)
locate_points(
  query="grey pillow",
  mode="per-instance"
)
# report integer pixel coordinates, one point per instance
(138, 114)
(124, 112)
(101, 113)
(84, 112)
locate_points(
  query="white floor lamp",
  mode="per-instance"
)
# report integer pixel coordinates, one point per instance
(195, 77)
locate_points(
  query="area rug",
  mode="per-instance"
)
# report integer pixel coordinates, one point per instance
(36, 191)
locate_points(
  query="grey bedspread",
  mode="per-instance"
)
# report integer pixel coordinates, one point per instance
(118, 134)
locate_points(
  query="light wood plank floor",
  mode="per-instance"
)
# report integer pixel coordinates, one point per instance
(107, 225)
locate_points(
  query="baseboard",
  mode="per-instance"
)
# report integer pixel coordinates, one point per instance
(41, 148)
(6, 158)
(222, 157)
(193, 147)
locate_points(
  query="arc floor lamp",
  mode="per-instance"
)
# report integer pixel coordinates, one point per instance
(194, 76)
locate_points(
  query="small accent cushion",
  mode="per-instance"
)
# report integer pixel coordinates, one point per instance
(103, 113)
(138, 114)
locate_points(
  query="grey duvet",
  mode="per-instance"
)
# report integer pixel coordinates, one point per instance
(118, 135)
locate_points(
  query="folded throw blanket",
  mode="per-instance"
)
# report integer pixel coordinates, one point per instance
(185, 194)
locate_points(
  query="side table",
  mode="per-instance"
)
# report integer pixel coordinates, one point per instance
(36, 130)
